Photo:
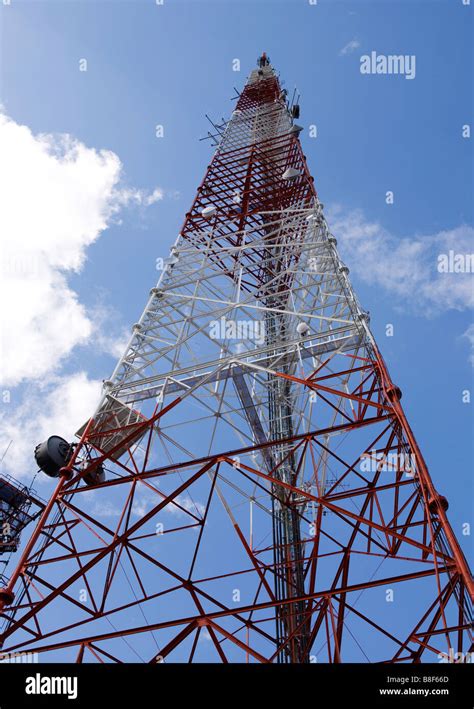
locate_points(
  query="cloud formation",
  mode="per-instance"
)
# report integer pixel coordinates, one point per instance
(350, 47)
(405, 267)
(58, 408)
(469, 336)
(58, 196)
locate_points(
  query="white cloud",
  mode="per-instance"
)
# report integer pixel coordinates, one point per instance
(193, 506)
(111, 336)
(131, 195)
(59, 408)
(406, 268)
(58, 196)
(350, 47)
(144, 500)
(104, 508)
(155, 196)
(469, 336)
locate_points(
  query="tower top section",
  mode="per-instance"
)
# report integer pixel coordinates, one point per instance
(262, 86)
(264, 69)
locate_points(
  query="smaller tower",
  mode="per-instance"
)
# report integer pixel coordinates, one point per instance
(19, 506)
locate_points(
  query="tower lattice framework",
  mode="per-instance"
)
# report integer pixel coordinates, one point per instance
(248, 488)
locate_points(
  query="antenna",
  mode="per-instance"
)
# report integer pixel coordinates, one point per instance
(5, 452)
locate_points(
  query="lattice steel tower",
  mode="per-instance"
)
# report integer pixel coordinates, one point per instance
(249, 488)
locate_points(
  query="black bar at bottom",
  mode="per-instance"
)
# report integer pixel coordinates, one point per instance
(54, 685)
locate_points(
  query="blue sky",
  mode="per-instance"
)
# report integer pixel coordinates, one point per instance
(171, 64)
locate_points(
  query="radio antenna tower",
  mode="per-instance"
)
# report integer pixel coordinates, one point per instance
(249, 488)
